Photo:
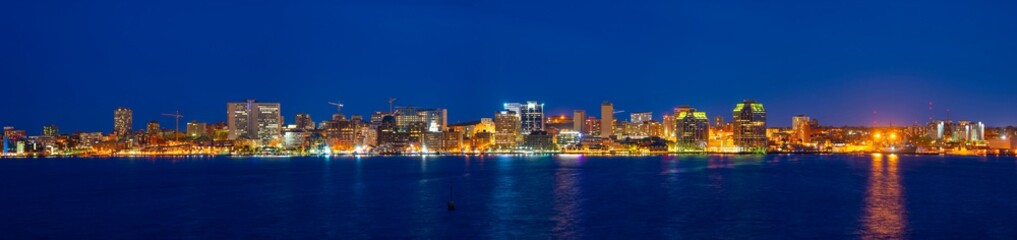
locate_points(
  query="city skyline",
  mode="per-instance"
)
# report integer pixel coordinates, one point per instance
(191, 57)
(289, 117)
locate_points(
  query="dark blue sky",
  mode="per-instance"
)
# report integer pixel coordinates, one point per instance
(71, 63)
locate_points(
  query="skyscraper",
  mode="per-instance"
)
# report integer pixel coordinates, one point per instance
(506, 127)
(749, 126)
(123, 119)
(606, 119)
(692, 130)
(532, 117)
(435, 120)
(50, 130)
(640, 117)
(304, 121)
(579, 121)
(254, 120)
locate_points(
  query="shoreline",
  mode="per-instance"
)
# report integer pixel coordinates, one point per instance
(198, 155)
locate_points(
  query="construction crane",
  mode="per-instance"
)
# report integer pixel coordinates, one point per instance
(177, 116)
(617, 112)
(390, 102)
(338, 106)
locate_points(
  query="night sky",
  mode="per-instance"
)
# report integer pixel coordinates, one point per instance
(71, 63)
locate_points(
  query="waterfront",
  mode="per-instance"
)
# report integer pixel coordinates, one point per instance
(776, 196)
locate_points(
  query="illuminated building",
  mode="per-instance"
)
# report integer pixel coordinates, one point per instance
(50, 130)
(640, 117)
(406, 115)
(152, 128)
(681, 109)
(749, 123)
(304, 122)
(517, 108)
(568, 139)
(506, 125)
(669, 127)
(592, 126)
(539, 141)
(254, 120)
(378, 116)
(606, 119)
(692, 130)
(436, 119)
(123, 119)
(196, 129)
(532, 117)
(801, 129)
(968, 131)
(579, 121)
(718, 121)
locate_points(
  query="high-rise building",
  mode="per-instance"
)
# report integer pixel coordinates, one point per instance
(669, 126)
(254, 120)
(579, 121)
(197, 129)
(506, 127)
(50, 130)
(152, 128)
(606, 119)
(749, 126)
(640, 117)
(692, 130)
(123, 119)
(436, 120)
(718, 121)
(514, 107)
(532, 117)
(801, 129)
(304, 122)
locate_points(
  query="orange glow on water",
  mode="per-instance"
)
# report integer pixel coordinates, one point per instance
(885, 216)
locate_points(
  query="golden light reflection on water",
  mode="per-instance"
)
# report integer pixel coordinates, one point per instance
(566, 200)
(885, 216)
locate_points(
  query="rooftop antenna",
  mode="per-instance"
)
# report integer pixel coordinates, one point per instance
(177, 116)
(390, 102)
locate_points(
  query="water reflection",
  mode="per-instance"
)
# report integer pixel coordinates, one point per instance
(885, 216)
(566, 199)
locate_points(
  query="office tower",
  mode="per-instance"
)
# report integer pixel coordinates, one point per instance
(669, 126)
(718, 121)
(506, 127)
(692, 130)
(640, 117)
(579, 121)
(123, 119)
(514, 107)
(254, 120)
(50, 130)
(749, 126)
(606, 119)
(153, 128)
(304, 122)
(436, 120)
(592, 126)
(801, 129)
(532, 117)
(406, 115)
(388, 132)
(197, 129)
(968, 131)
